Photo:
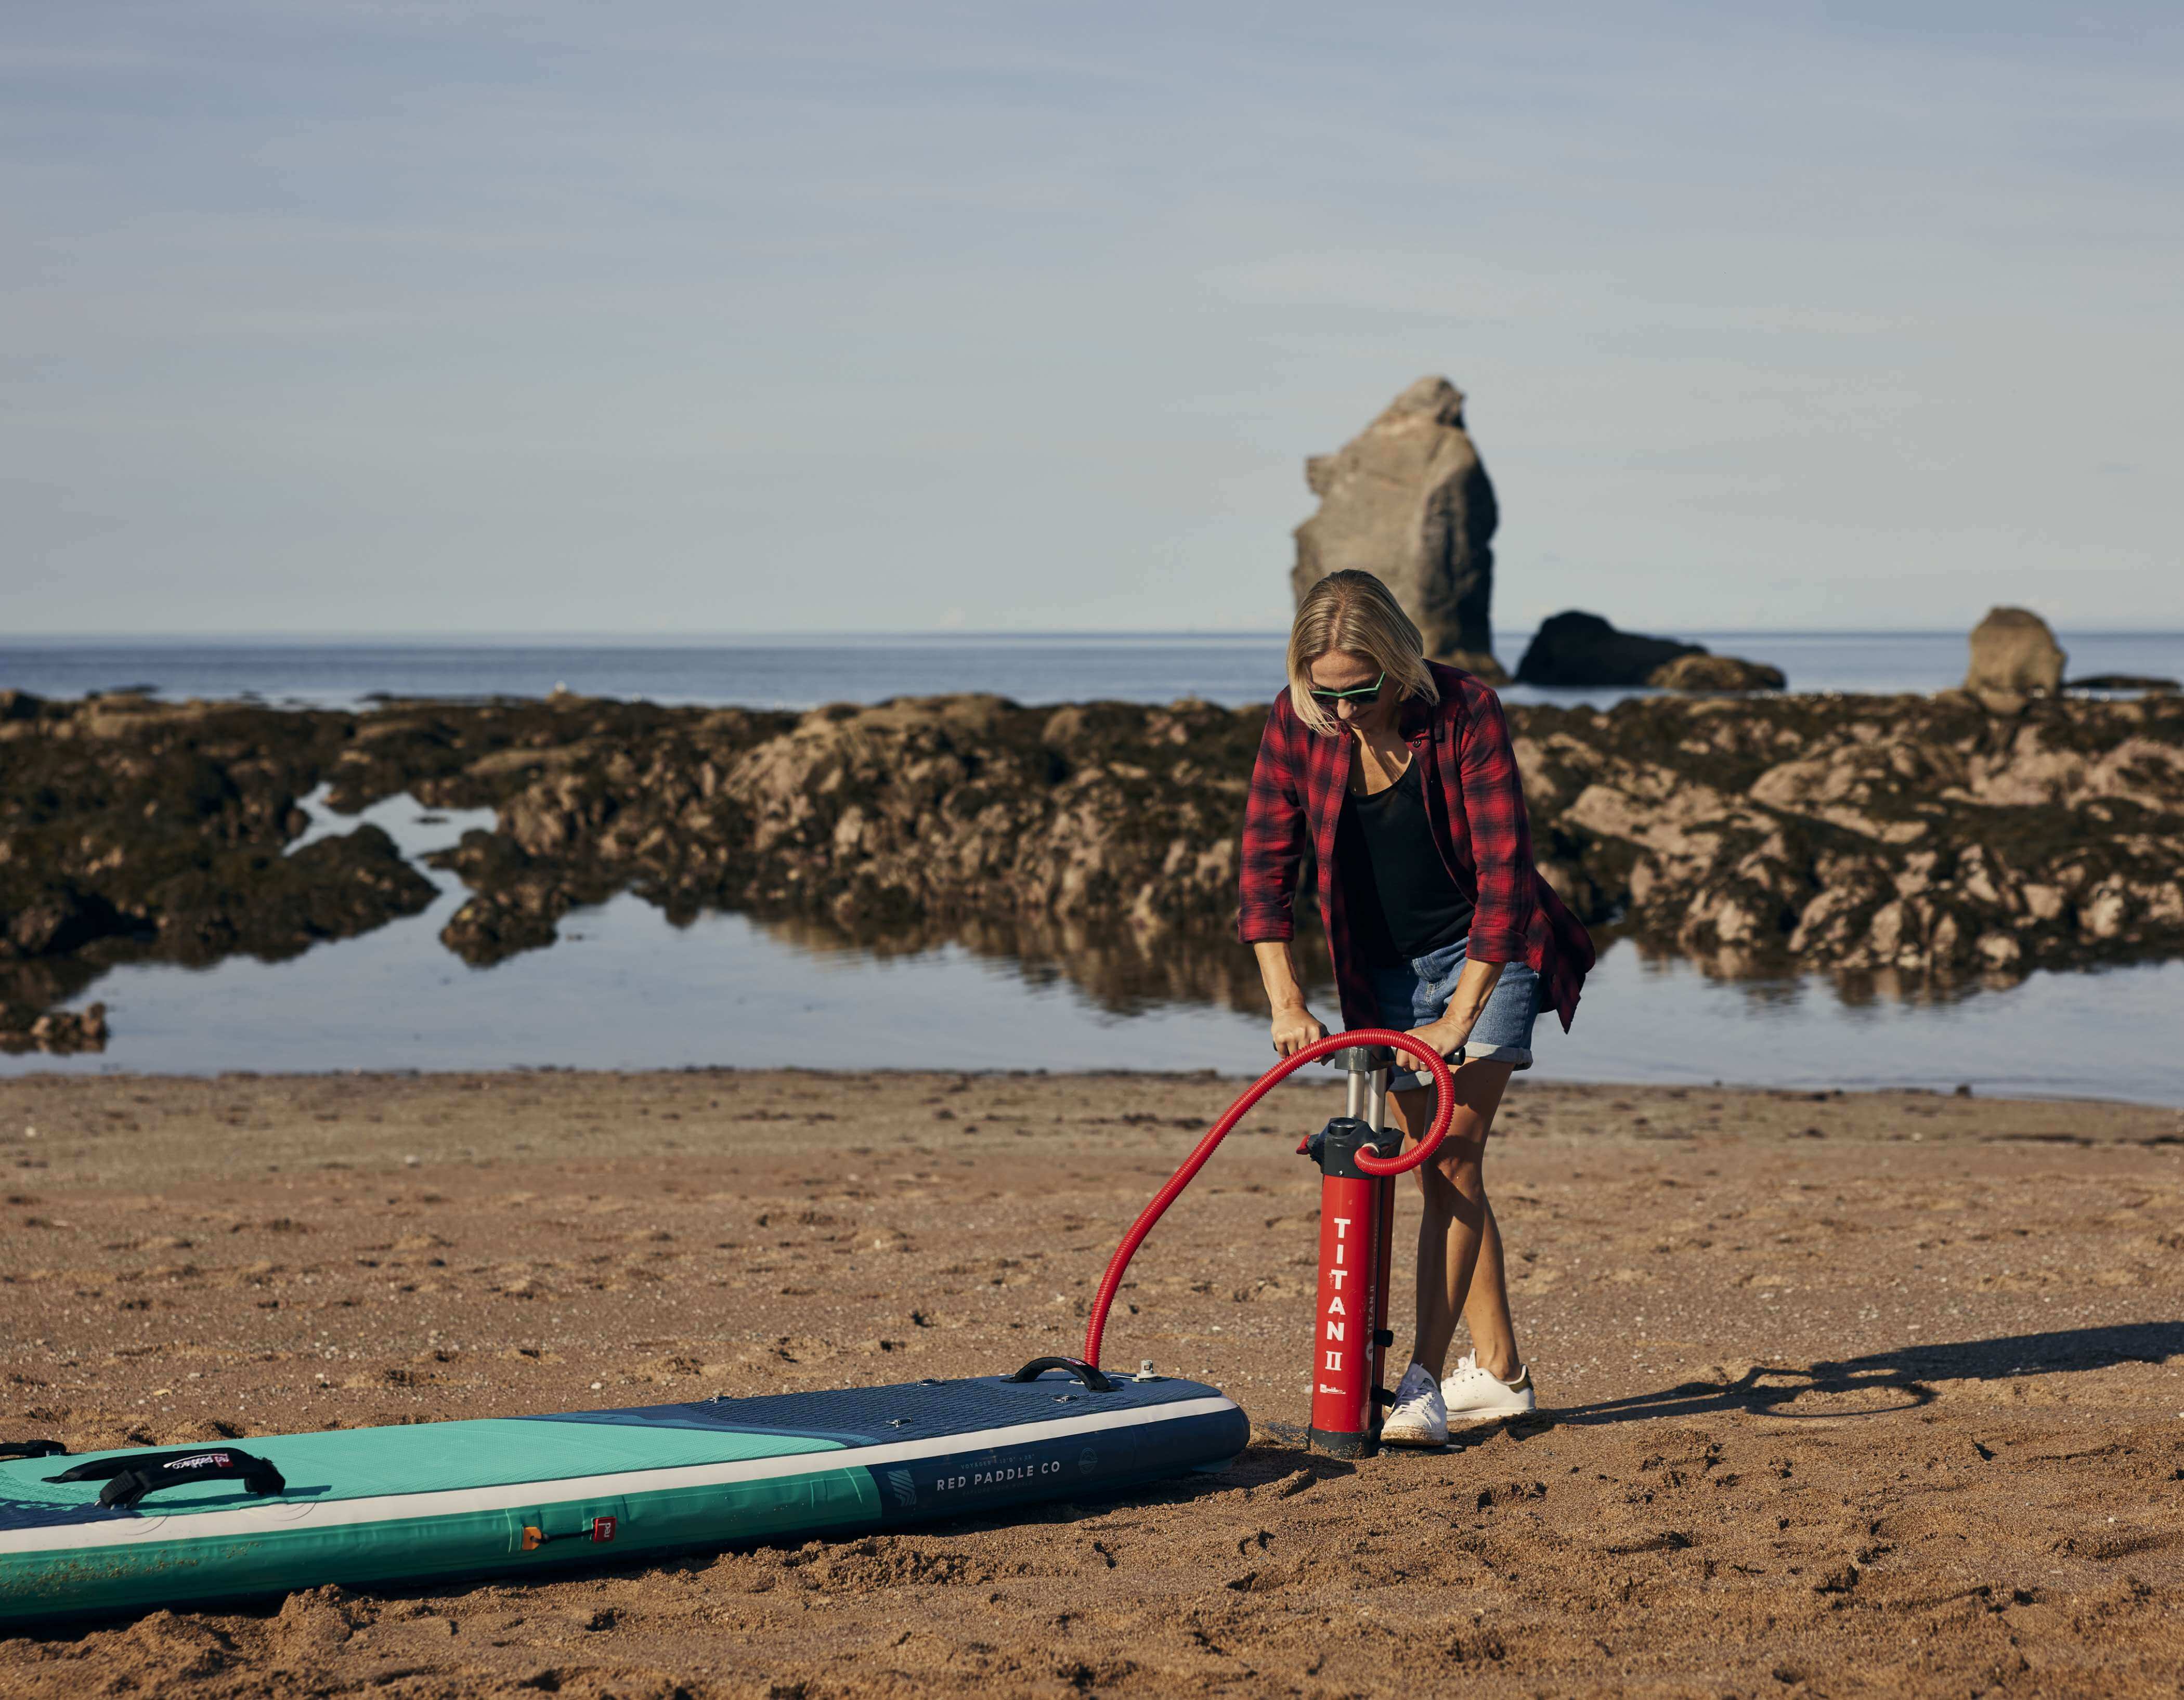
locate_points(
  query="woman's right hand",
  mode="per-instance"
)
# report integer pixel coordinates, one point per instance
(1294, 1028)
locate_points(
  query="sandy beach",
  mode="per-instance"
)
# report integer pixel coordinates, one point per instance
(1850, 1394)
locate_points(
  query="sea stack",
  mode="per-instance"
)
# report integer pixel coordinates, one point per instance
(1407, 500)
(2013, 656)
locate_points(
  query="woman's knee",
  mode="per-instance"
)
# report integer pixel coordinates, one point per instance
(1462, 1164)
(1457, 1167)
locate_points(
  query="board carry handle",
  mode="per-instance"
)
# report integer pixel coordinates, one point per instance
(130, 1477)
(1088, 1374)
(32, 1449)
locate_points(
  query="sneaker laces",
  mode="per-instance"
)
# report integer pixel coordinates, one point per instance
(1468, 1365)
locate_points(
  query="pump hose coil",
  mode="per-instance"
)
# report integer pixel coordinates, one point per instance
(1408, 1043)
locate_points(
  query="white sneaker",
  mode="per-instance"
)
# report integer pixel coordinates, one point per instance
(1472, 1395)
(1417, 1418)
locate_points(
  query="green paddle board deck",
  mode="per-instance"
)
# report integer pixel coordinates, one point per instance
(431, 1502)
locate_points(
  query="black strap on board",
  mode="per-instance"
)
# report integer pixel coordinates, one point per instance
(32, 1449)
(132, 1476)
(1083, 1371)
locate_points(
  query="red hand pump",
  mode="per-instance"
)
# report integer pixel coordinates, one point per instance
(1349, 1335)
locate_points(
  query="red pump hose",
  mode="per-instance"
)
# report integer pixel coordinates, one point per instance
(1409, 1044)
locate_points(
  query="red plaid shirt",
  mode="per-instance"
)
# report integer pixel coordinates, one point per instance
(1475, 802)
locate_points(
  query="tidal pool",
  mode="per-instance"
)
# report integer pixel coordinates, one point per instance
(627, 989)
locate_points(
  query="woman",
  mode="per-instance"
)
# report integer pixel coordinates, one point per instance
(1396, 774)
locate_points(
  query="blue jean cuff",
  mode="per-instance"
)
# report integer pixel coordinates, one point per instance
(1403, 1079)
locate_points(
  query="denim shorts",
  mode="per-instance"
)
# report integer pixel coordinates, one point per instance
(1413, 994)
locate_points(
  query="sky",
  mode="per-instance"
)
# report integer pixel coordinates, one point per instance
(362, 316)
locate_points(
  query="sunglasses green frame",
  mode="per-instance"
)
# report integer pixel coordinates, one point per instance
(1356, 695)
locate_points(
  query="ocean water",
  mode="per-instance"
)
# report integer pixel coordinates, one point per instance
(803, 671)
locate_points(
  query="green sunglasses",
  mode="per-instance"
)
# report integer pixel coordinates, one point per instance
(1356, 696)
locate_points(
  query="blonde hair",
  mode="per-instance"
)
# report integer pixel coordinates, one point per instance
(1354, 611)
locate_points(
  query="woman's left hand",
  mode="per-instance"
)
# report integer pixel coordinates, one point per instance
(1447, 1037)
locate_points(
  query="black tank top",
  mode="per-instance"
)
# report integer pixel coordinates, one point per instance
(1401, 901)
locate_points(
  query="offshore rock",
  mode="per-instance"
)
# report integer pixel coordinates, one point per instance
(1408, 501)
(2013, 656)
(1704, 672)
(2122, 681)
(1576, 648)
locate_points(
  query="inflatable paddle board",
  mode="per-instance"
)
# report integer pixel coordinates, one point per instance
(179, 1526)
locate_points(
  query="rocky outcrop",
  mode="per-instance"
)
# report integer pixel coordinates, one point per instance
(1705, 672)
(2013, 656)
(1576, 649)
(1907, 836)
(1407, 501)
(1580, 650)
(133, 830)
(880, 817)
(2123, 682)
(1917, 835)
(61, 1032)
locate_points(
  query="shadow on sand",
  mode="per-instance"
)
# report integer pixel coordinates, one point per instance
(1908, 1371)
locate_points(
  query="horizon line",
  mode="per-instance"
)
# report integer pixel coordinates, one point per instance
(686, 640)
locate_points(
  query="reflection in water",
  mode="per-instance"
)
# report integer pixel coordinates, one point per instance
(1764, 981)
(1121, 971)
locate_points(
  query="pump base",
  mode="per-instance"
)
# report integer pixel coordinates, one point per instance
(1340, 1443)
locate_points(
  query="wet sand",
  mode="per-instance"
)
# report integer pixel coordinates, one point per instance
(1864, 1394)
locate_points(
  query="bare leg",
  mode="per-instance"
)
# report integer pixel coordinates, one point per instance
(1460, 1269)
(1486, 1306)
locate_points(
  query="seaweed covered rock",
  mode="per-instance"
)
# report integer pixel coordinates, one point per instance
(518, 899)
(1705, 672)
(1408, 501)
(1908, 835)
(58, 1032)
(131, 828)
(898, 811)
(127, 825)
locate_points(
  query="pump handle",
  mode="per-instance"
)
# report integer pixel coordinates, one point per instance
(1444, 1109)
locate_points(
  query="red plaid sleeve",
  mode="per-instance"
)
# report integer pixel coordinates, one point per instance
(1275, 832)
(1501, 833)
